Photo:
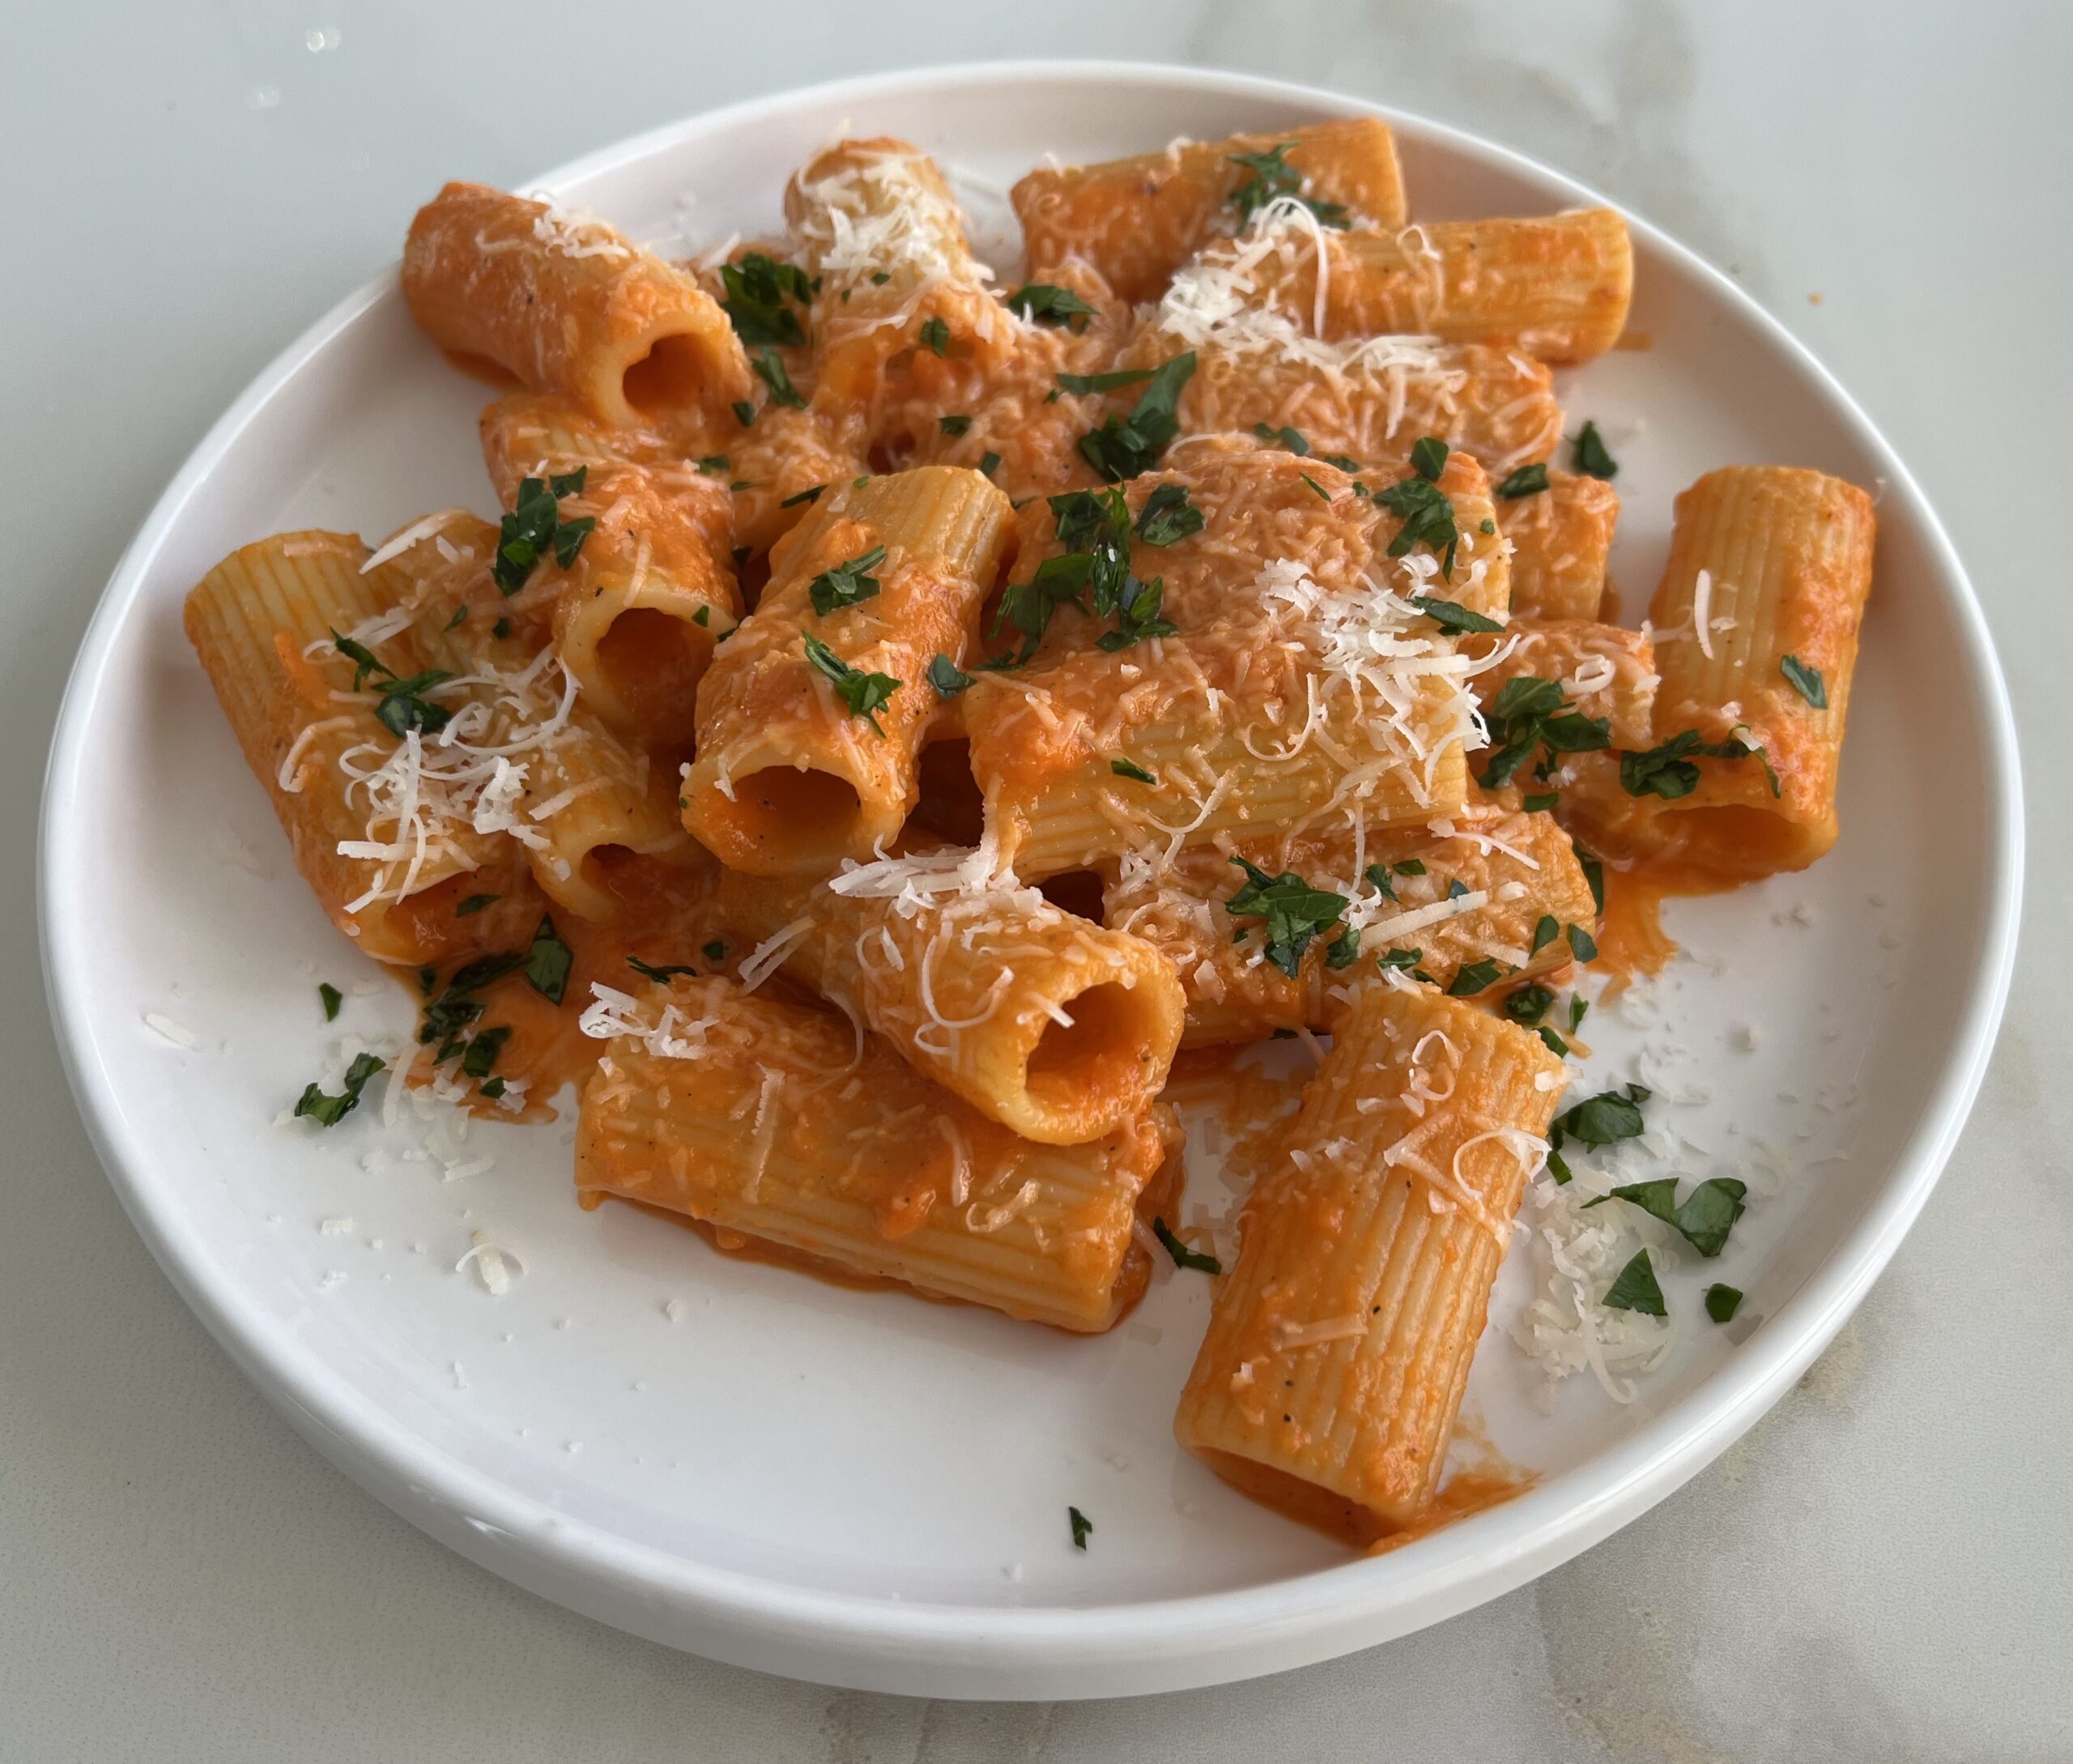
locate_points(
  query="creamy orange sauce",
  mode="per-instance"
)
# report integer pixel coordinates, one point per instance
(1631, 940)
(1250, 1104)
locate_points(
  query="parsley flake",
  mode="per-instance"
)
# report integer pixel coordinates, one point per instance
(1527, 481)
(1805, 681)
(953, 425)
(1705, 1217)
(1428, 457)
(1295, 912)
(1122, 449)
(1723, 1302)
(1473, 976)
(1668, 771)
(1168, 517)
(1183, 1256)
(864, 694)
(548, 961)
(757, 288)
(1268, 177)
(1451, 616)
(533, 529)
(1636, 1289)
(935, 337)
(1601, 1120)
(715, 950)
(770, 369)
(649, 971)
(1043, 304)
(847, 584)
(948, 679)
(1130, 769)
(327, 1110)
(1082, 1526)
(811, 493)
(1592, 457)
(332, 997)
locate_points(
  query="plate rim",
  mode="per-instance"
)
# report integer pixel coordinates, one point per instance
(1053, 1650)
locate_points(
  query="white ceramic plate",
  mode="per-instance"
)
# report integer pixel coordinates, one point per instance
(864, 1489)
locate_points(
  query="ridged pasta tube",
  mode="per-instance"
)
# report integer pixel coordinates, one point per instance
(1340, 1343)
(569, 306)
(261, 622)
(779, 1123)
(1605, 670)
(1058, 1029)
(1136, 220)
(1556, 286)
(1755, 621)
(801, 762)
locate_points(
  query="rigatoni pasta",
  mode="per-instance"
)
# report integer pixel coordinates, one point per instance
(893, 710)
(1339, 1348)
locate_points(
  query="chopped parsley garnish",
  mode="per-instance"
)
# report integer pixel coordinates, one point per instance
(703, 617)
(1400, 958)
(547, 962)
(1428, 517)
(935, 337)
(327, 1110)
(1604, 1119)
(1294, 911)
(1805, 681)
(847, 583)
(480, 1059)
(1044, 304)
(492, 1087)
(1451, 616)
(1591, 456)
(1081, 1525)
(1636, 1289)
(879, 278)
(649, 971)
(1132, 769)
(715, 950)
(1546, 932)
(1168, 517)
(714, 462)
(1527, 481)
(534, 527)
(1704, 1219)
(744, 412)
(402, 706)
(459, 619)
(1122, 449)
(1456, 888)
(1428, 457)
(1593, 869)
(1582, 945)
(1094, 526)
(1529, 714)
(501, 628)
(1539, 802)
(1553, 1042)
(1293, 439)
(1529, 1004)
(1723, 1302)
(948, 679)
(811, 493)
(1578, 1004)
(1183, 1256)
(770, 369)
(1377, 876)
(1313, 484)
(1269, 177)
(757, 288)
(953, 425)
(864, 694)
(332, 997)
(988, 462)
(1344, 949)
(1473, 977)
(1669, 771)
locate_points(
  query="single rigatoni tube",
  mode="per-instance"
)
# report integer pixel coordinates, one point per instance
(797, 770)
(1478, 894)
(1059, 1030)
(388, 868)
(1340, 1343)
(1605, 670)
(1136, 220)
(788, 1125)
(1561, 537)
(901, 308)
(1233, 730)
(1556, 286)
(1369, 401)
(569, 306)
(1755, 619)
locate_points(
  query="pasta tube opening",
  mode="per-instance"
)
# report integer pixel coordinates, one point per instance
(668, 377)
(811, 816)
(1101, 1051)
(650, 662)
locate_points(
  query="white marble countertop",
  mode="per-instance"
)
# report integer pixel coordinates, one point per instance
(1884, 1568)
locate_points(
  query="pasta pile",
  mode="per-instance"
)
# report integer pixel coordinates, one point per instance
(893, 717)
